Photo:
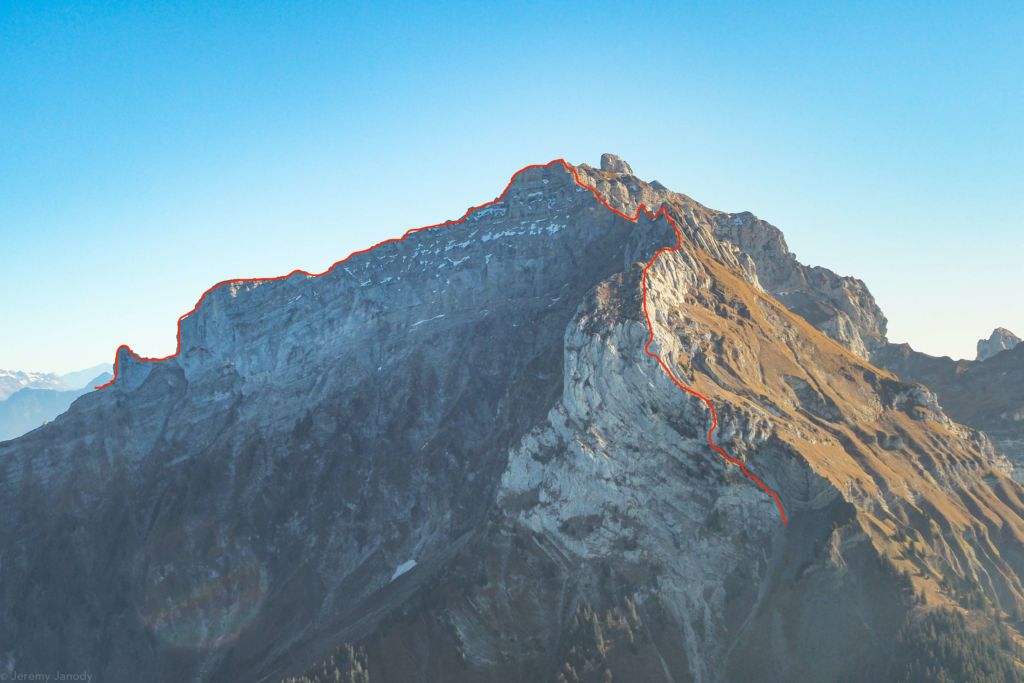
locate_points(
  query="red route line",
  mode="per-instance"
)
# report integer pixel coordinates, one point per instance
(650, 327)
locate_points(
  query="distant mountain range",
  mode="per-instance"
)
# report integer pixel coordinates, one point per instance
(482, 453)
(28, 400)
(85, 379)
(15, 380)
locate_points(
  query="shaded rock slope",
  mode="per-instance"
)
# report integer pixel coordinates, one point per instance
(450, 458)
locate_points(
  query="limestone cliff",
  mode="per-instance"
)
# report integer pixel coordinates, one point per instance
(1001, 339)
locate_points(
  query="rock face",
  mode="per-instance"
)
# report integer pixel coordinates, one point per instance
(451, 458)
(1001, 339)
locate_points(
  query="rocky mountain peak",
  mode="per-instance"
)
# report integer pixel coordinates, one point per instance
(488, 439)
(613, 163)
(1001, 339)
(841, 307)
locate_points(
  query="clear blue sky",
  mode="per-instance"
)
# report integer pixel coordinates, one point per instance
(149, 151)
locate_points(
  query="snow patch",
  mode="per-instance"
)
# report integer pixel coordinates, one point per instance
(420, 322)
(457, 262)
(403, 568)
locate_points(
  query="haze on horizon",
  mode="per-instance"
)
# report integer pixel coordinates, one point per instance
(148, 153)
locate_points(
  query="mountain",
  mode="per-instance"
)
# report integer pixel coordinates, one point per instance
(988, 397)
(841, 307)
(985, 394)
(26, 409)
(1001, 339)
(563, 439)
(16, 380)
(82, 379)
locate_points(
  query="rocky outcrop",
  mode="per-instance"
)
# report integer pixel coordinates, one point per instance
(611, 163)
(453, 458)
(1001, 339)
